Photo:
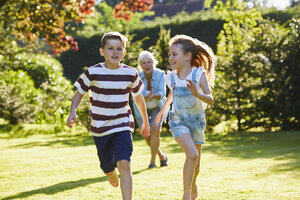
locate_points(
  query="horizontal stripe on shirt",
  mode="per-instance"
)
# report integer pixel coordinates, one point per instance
(112, 77)
(104, 104)
(110, 117)
(109, 91)
(106, 128)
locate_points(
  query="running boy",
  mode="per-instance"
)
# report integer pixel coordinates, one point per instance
(109, 84)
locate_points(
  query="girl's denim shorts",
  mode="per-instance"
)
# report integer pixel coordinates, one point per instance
(191, 124)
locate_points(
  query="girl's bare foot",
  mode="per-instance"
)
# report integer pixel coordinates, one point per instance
(113, 178)
(194, 192)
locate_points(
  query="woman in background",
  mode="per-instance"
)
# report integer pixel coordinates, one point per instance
(154, 93)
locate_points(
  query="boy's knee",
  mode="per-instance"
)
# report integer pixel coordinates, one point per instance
(123, 165)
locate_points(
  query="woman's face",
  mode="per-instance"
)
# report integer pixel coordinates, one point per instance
(147, 66)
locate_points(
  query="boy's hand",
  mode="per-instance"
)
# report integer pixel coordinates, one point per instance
(145, 130)
(71, 120)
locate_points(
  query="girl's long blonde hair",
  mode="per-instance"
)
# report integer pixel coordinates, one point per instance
(202, 55)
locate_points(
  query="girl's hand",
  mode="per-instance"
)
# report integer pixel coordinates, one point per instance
(192, 87)
(159, 118)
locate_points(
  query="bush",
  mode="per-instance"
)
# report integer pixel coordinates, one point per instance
(17, 97)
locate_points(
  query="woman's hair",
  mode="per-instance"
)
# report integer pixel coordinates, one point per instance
(142, 56)
(202, 55)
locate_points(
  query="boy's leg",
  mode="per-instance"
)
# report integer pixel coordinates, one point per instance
(105, 155)
(191, 153)
(194, 191)
(125, 179)
(113, 178)
(122, 144)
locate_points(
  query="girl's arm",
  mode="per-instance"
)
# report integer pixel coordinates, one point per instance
(75, 103)
(161, 115)
(141, 105)
(206, 96)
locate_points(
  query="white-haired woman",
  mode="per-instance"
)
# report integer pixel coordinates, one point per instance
(154, 93)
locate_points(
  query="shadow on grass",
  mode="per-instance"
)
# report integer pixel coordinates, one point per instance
(73, 141)
(65, 140)
(279, 145)
(69, 185)
(251, 145)
(60, 187)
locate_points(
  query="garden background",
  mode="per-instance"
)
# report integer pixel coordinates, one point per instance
(253, 124)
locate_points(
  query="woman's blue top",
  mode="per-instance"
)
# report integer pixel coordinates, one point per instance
(158, 87)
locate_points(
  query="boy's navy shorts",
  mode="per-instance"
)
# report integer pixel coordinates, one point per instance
(112, 148)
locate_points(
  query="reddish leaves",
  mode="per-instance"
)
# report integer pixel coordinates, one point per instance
(125, 9)
(44, 18)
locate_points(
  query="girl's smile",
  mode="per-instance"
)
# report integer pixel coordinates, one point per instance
(177, 57)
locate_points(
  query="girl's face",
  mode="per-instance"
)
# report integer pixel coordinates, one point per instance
(177, 58)
(147, 66)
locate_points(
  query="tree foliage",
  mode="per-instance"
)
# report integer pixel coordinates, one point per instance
(125, 9)
(161, 48)
(17, 97)
(29, 20)
(33, 87)
(258, 69)
(102, 21)
(280, 45)
(237, 74)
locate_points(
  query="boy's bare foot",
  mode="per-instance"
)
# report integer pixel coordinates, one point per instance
(113, 178)
(194, 192)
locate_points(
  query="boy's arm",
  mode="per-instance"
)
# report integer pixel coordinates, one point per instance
(75, 102)
(141, 105)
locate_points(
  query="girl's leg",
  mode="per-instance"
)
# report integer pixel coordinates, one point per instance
(194, 191)
(191, 153)
(125, 179)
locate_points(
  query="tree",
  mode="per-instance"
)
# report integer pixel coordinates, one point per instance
(234, 94)
(102, 21)
(161, 48)
(125, 8)
(30, 20)
(280, 45)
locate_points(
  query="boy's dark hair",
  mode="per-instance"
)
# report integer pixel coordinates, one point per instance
(113, 35)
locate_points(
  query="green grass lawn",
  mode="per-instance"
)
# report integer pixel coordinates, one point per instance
(233, 166)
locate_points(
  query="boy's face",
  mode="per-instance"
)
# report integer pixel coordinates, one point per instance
(113, 51)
